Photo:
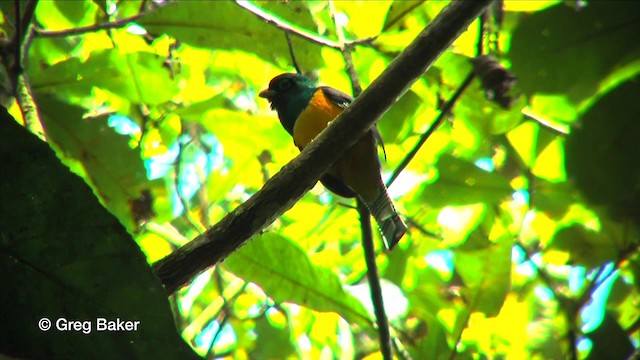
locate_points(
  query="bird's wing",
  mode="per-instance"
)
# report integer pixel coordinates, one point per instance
(343, 100)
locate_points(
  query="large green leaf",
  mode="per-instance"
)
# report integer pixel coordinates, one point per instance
(64, 257)
(487, 274)
(562, 50)
(585, 247)
(285, 272)
(139, 77)
(273, 342)
(113, 168)
(226, 25)
(603, 155)
(392, 123)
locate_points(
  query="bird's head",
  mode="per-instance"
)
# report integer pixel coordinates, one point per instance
(289, 94)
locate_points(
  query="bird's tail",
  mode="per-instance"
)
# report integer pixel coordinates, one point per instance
(390, 224)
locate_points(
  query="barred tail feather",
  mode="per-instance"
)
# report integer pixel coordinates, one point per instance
(390, 224)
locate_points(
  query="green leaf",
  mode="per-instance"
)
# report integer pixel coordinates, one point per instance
(365, 18)
(226, 25)
(564, 50)
(63, 256)
(461, 183)
(105, 157)
(585, 247)
(487, 116)
(555, 199)
(62, 14)
(603, 155)
(285, 273)
(272, 342)
(259, 133)
(399, 10)
(138, 77)
(487, 274)
(435, 341)
(400, 116)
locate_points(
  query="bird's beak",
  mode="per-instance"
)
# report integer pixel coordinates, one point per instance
(267, 94)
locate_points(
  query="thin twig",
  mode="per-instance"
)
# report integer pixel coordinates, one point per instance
(22, 21)
(283, 25)
(292, 54)
(482, 25)
(416, 225)
(28, 108)
(27, 15)
(22, 91)
(436, 123)
(542, 273)
(368, 41)
(88, 29)
(374, 281)
(143, 5)
(225, 317)
(16, 68)
(345, 49)
(573, 343)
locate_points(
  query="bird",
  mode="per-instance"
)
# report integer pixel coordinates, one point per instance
(305, 111)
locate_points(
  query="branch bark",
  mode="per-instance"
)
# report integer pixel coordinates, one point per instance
(284, 189)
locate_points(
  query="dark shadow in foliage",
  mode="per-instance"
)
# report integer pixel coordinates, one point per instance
(63, 256)
(610, 341)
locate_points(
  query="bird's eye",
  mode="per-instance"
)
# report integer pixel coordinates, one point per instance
(284, 85)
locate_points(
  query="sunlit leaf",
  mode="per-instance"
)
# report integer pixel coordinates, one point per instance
(122, 74)
(486, 273)
(399, 116)
(273, 342)
(116, 172)
(61, 14)
(295, 280)
(362, 18)
(226, 25)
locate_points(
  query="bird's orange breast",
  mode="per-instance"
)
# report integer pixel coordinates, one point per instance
(315, 118)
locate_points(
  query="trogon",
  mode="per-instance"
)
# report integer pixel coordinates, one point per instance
(304, 111)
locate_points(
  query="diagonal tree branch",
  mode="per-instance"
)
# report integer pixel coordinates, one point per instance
(282, 191)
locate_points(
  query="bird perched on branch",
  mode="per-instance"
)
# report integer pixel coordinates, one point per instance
(304, 111)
